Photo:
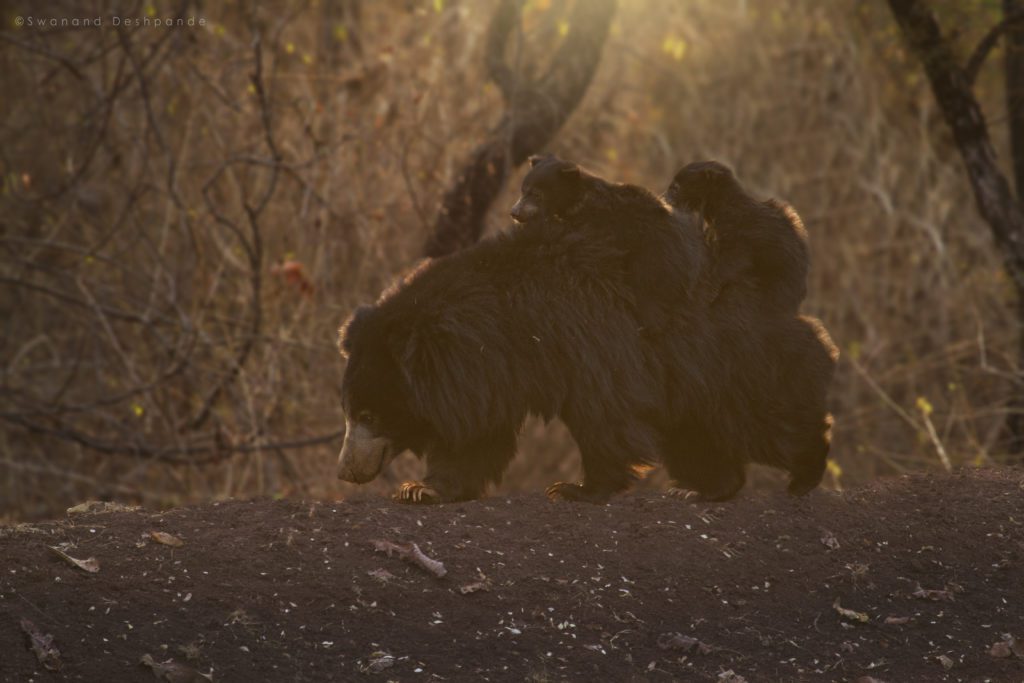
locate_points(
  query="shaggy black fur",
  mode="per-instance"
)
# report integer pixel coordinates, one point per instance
(543, 320)
(663, 266)
(763, 242)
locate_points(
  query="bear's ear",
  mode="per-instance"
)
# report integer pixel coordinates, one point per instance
(537, 158)
(352, 329)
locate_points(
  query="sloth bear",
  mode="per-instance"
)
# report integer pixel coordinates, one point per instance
(451, 361)
(543, 320)
(765, 241)
(662, 267)
(652, 236)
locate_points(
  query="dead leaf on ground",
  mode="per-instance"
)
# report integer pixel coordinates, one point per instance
(97, 506)
(869, 679)
(240, 616)
(166, 538)
(850, 614)
(898, 621)
(90, 565)
(933, 594)
(173, 672)
(42, 645)
(382, 575)
(830, 541)
(377, 662)
(945, 661)
(677, 641)
(474, 587)
(481, 584)
(730, 676)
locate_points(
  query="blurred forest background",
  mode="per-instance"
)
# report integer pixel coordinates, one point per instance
(189, 214)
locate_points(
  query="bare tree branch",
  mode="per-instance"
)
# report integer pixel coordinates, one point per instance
(992, 194)
(254, 246)
(986, 44)
(217, 448)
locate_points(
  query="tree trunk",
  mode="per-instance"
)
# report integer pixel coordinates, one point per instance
(992, 193)
(535, 112)
(1014, 48)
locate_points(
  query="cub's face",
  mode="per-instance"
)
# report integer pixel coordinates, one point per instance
(696, 183)
(550, 190)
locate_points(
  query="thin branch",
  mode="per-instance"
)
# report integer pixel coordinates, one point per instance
(253, 248)
(216, 451)
(986, 45)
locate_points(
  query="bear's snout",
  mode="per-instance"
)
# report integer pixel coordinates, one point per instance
(523, 210)
(363, 454)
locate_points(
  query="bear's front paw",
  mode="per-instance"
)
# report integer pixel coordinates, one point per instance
(562, 491)
(685, 494)
(417, 492)
(575, 492)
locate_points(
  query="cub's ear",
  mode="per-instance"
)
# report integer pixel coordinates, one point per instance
(537, 158)
(570, 171)
(353, 327)
(715, 170)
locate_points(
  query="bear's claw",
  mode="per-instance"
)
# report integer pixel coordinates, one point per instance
(692, 496)
(417, 492)
(685, 494)
(562, 490)
(574, 492)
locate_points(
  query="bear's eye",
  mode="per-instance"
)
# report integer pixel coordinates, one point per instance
(367, 418)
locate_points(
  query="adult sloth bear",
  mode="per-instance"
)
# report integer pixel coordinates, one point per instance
(451, 361)
(543, 320)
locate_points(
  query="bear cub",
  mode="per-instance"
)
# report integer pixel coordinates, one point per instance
(664, 250)
(749, 238)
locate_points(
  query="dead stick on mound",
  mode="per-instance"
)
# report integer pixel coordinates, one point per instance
(411, 553)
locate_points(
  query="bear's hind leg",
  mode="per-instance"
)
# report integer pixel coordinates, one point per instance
(713, 479)
(461, 474)
(695, 463)
(807, 465)
(612, 455)
(715, 486)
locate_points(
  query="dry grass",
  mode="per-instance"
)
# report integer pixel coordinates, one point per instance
(143, 215)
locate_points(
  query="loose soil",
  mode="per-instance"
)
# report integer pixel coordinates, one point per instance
(928, 571)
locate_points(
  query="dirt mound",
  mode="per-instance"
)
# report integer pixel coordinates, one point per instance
(912, 579)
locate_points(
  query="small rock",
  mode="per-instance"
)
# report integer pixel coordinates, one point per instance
(1007, 647)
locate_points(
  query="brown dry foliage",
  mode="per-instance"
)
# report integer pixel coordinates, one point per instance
(182, 234)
